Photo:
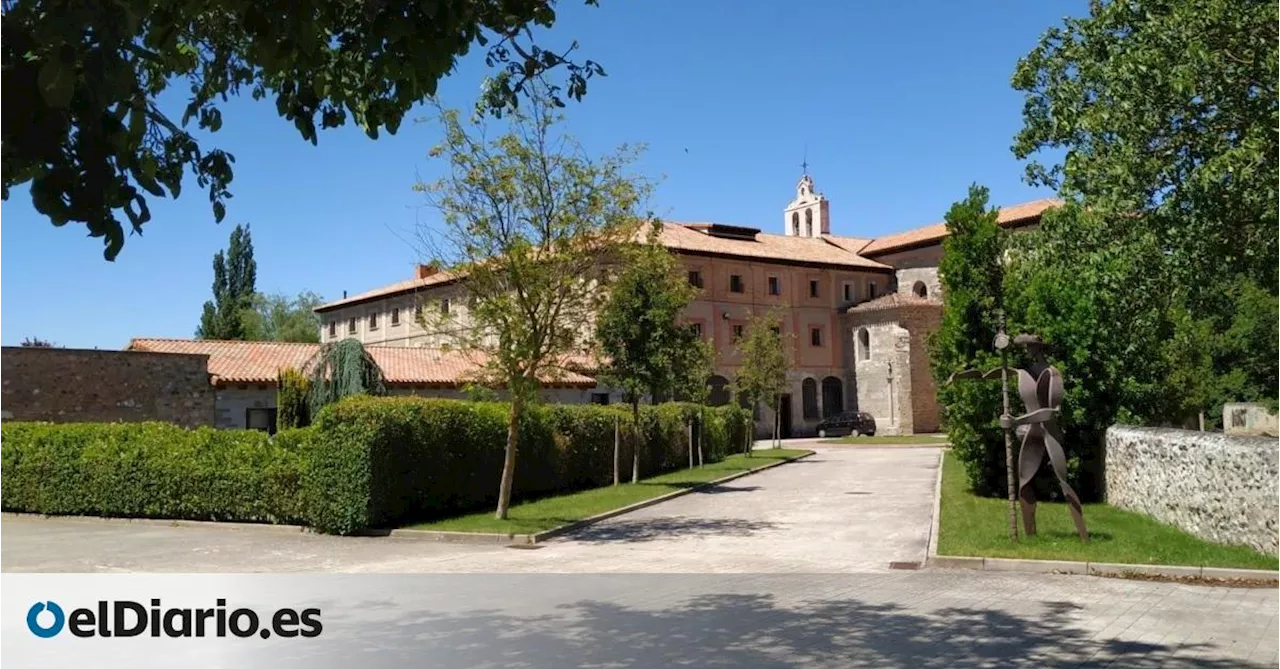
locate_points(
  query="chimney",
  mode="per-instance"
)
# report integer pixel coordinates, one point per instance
(424, 271)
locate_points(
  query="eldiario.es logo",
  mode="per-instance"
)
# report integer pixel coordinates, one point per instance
(124, 618)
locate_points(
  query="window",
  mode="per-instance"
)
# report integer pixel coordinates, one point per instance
(737, 332)
(695, 279)
(920, 289)
(696, 328)
(444, 306)
(417, 313)
(395, 316)
(808, 222)
(777, 331)
(599, 398)
(260, 419)
(871, 290)
(333, 328)
(351, 326)
(735, 283)
(373, 321)
(848, 292)
(815, 336)
(775, 286)
(864, 344)
(813, 288)
(795, 223)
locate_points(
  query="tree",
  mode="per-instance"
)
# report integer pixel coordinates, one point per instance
(293, 398)
(647, 348)
(972, 276)
(529, 219)
(1165, 114)
(279, 317)
(83, 123)
(762, 370)
(342, 369)
(36, 342)
(234, 278)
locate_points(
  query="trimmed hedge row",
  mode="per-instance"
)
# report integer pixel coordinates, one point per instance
(391, 460)
(152, 470)
(365, 463)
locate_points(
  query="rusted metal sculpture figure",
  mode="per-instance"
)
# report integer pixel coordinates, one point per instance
(1040, 386)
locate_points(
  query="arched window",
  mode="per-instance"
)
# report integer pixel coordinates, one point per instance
(864, 344)
(719, 395)
(808, 222)
(809, 398)
(795, 223)
(832, 397)
(920, 289)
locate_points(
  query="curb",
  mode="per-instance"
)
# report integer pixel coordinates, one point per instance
(931, 548)
(490, 538)
(167, 522)
(1099, 568)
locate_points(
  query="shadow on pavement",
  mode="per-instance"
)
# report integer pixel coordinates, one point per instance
(646, 529)
(755, 630)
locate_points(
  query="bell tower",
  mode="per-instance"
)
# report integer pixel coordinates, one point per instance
(809, 214)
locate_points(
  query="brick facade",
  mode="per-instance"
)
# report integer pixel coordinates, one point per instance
(76, 385)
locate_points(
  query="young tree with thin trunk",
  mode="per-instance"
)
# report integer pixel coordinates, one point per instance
(647, 348)
(762, 372)
(528, 220)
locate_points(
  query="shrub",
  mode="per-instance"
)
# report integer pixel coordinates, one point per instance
(292, 400)
(379, 462)
(151, 470)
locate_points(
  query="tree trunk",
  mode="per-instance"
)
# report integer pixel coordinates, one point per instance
(635, 440)
(1202, 421)
(777, 422)
(690, 430)
(617, 450)
(509, 462)
(701, 436)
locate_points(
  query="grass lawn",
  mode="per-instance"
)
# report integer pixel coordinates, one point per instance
(549, 512)
(926, 439)
(979, 526)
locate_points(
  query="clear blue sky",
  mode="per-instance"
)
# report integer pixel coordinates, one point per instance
(902, 106)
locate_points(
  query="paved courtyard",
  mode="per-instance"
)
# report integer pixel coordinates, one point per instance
(842, 510)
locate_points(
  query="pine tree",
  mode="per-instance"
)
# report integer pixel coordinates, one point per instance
(234, 284)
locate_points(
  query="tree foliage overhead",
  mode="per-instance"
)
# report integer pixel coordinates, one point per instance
(82, 121)
(235, 276)
(529, 219)
(1167, 113)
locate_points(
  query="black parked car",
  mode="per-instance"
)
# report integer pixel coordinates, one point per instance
(855, 423)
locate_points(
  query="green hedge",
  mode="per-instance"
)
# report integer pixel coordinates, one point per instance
(365, 463)
(388, 461)
(152, 470)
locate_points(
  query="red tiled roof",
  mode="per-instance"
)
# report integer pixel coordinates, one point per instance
(826, 250)
(893, 301)
(1009, 216)
(233, 362)
(439, 278)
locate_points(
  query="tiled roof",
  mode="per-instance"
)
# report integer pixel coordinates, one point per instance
(394, 289)
(893, 301)
(1009, 216)
(688, 237)
(233, 362)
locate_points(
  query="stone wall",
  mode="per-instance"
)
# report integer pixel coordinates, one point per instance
(77, 386)
(1218, 487)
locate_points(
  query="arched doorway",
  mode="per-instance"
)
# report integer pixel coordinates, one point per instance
(832, 397)
(809, 399)
(719, 395)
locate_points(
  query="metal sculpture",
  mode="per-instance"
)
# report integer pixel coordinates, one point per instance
(1040, 386)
